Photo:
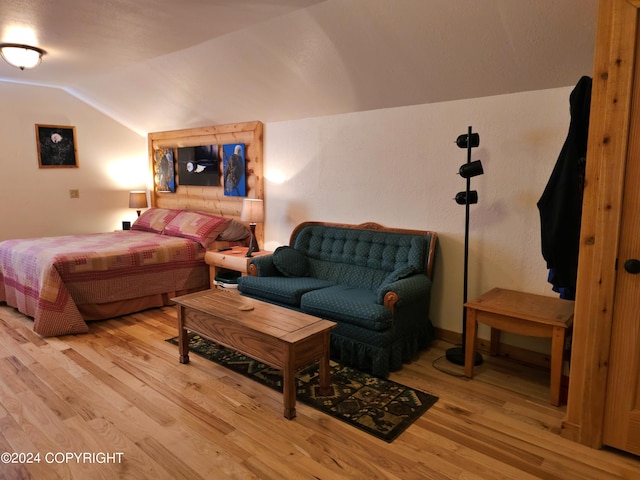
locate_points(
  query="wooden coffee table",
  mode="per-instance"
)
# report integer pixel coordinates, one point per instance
(279, 337)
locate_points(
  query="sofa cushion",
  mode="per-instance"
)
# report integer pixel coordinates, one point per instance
(284, 290)
(358, 258)
(290, 262)
(346, 274)
(397, 274)
(353, 305)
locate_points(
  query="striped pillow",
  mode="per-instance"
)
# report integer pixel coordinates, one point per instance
(154, 220)
(202, 227)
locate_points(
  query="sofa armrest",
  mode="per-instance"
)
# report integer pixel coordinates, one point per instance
(263, 266)
(406, 290)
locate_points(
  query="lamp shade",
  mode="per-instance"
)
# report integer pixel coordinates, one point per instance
(469, 140)
(461, 198)
(21, 56)
(138, 199)
(471, 169)
(252, 210)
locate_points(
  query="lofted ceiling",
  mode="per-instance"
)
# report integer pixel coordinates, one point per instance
(166, 64)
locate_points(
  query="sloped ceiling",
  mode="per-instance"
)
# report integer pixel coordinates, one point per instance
(164, 64)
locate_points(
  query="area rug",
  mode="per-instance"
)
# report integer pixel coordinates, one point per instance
(377, 406)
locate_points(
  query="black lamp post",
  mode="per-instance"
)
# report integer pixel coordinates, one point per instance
(468, 197)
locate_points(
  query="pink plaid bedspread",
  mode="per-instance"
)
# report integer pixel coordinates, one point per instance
(47, 278)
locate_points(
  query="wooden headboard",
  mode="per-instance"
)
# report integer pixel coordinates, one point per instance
(212, 199)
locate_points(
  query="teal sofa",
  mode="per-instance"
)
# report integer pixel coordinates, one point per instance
(374, 282)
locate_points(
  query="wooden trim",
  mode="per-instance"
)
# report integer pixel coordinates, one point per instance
(602, 210)
(379, 228)
(528, 357)
(212, 199)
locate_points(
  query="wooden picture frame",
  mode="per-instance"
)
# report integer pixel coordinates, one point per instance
(57, 146)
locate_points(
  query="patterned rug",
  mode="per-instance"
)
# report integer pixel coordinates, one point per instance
(379, 407)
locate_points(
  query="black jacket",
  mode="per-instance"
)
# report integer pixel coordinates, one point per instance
(561, 202)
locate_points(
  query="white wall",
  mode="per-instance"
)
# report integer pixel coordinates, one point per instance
(35, 202)
(398, 167)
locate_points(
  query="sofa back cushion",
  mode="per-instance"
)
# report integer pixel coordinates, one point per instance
(359, 257)
(290, 262)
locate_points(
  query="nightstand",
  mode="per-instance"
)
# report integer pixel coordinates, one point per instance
(233, 259)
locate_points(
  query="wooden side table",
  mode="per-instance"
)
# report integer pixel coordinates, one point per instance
(234, 259)
(523, 314)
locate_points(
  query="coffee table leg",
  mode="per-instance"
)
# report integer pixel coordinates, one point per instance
(324, 370)
(183, 337)
(289, 392)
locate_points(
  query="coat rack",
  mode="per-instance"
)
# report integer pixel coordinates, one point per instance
(468, 197)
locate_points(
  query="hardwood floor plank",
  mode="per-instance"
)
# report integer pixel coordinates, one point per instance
(13, 439)
(135, 397)
(32, 383)
(133, 462)
(121, 388)
(174, 467)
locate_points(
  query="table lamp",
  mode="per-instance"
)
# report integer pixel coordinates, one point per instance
(138, 200)
(252, 212)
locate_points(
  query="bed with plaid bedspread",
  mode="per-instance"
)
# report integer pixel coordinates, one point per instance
(49, 278)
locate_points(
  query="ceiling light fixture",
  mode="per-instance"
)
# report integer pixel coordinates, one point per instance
(21, 56)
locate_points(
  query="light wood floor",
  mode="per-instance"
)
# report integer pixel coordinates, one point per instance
(120, 391)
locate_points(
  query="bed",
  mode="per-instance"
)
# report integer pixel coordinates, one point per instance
(63, 282)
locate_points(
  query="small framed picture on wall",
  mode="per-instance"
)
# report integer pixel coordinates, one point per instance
(199, 166)
(56, 146)
(235, 183)
(164, 170)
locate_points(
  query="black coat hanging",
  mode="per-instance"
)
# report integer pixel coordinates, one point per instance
(561, 202)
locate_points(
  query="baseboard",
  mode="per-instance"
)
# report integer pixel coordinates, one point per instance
(570, 431)
(521, 355)
(528, 357)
